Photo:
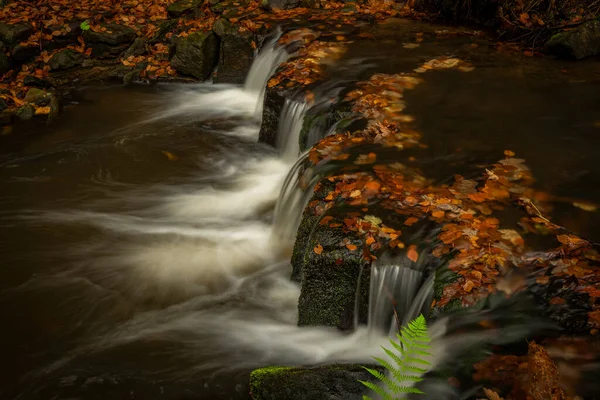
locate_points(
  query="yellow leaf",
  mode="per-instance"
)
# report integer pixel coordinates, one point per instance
(42, 110)
(318, 249)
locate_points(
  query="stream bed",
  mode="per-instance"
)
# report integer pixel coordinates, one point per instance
(138, 261)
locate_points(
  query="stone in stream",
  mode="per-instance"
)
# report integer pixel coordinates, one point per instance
(272, 108)
(236, 53)
(65, 59)
(26, 112)
(329, 280)
(38, 97)
(110, 42)
(330, 382)
(196, 54)
(12, 34)
(581, 42)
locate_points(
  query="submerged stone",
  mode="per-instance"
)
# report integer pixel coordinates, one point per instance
(236, 53)
(196, 54)
(26, 112)
(331, 382)
(584, 41)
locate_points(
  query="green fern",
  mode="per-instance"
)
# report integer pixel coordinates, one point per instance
(408, 362)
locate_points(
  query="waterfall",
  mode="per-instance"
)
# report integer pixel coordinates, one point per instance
(289, 128)
(266, 62)
(397, 294)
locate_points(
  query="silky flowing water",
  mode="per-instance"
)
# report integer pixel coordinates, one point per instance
(140, 258)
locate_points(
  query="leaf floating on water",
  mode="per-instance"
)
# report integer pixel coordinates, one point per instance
(491, 395)
(586, 206)
(318, 249)
(412, 253)
(410, 45)
(170, 156)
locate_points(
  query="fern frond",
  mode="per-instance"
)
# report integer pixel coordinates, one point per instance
(412, 344)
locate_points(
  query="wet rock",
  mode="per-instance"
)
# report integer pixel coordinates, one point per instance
(55, 109)
(26, 112)
(65, 59)
(196, 54)
(4, 64)
(164, 28)
(12, 34)
(136, 49)
(6, 117)
(38, 97)
(272, 107)
(280, 4)
(23, 54)
(584, 41)
(235, 55)
(179, 8)
(113, 41)
(328, 280)
(332, 382)
(32, 80)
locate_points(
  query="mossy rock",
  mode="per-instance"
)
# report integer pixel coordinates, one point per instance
(181, 7)
(235, 54)
(331, 382)
(12, 34)
(584, 41)
(196, 54)
(280, 4)
(65, 59)
(4, 64)
(329, 280)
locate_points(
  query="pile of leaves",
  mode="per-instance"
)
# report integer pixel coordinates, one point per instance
(485, 250)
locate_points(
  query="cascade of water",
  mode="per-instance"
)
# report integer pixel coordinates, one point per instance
(263, 67)
(396, 294)
(289, 128)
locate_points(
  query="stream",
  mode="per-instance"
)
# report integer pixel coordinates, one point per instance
(139, 260)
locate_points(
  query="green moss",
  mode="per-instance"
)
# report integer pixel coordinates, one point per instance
(443, 278)
(258, 376)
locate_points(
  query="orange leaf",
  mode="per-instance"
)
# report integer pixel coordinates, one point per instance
(318, 249)
(412, 253)
(351, 247)
(468, 286)
(438, 214)
(411, 221)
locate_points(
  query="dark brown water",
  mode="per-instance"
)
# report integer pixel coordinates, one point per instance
(136, 255)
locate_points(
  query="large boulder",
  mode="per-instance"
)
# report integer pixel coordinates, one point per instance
(196, 54)
(12, 34)
(236, 53)
(65, 59)
(331, 382)
(111, 41)
(584, 41)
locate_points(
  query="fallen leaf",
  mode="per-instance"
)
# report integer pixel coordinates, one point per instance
(351, 247)
(318, 249)
(412, 253)
(170, 156)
